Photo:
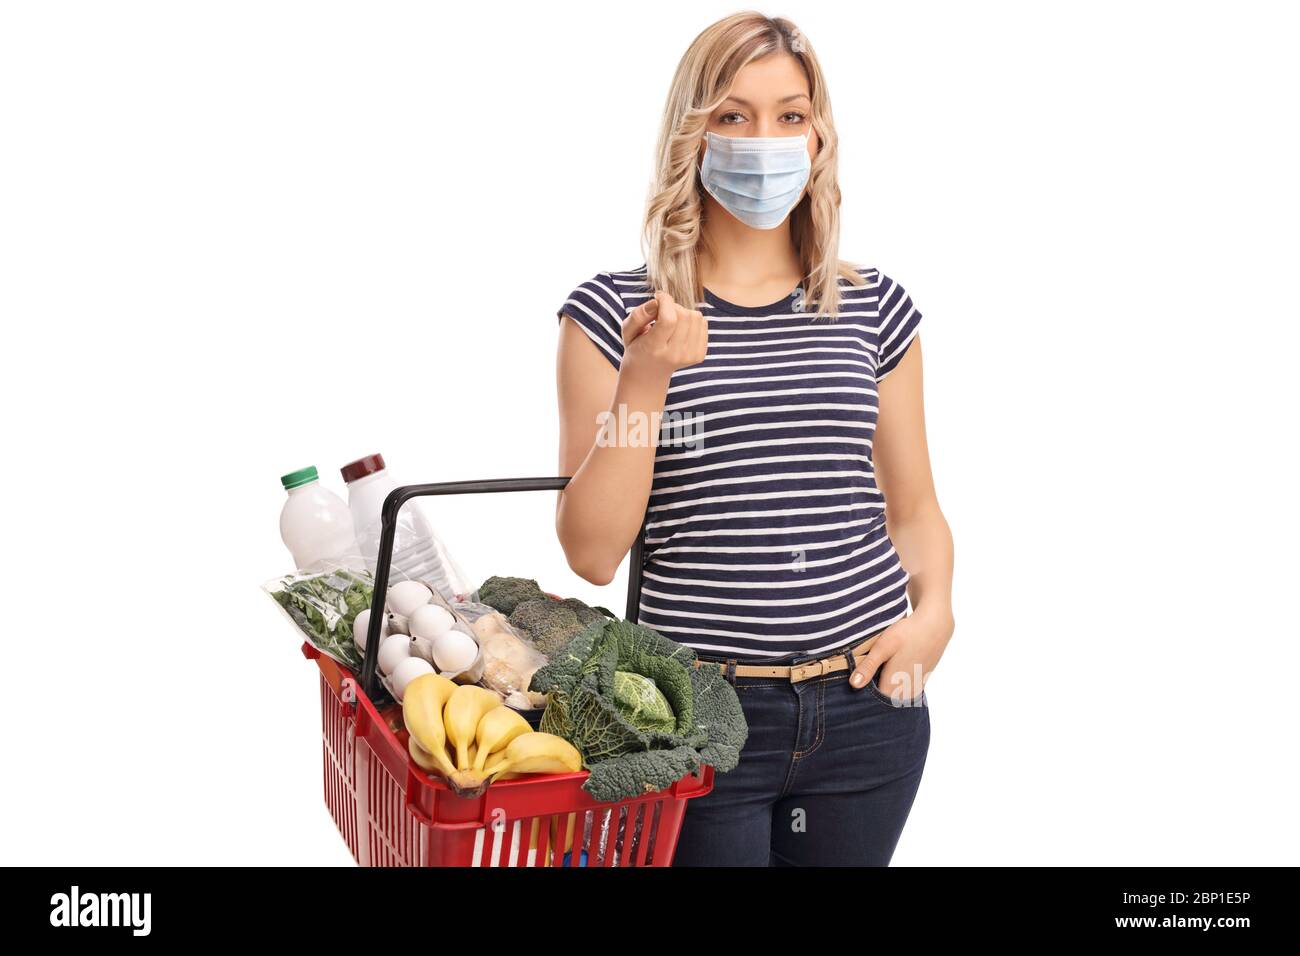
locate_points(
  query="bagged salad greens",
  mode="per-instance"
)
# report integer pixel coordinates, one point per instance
(323, 604)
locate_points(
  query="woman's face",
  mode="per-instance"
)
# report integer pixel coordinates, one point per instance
(768, 98)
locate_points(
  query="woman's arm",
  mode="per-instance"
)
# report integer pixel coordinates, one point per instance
(599, 513)
(909, 649)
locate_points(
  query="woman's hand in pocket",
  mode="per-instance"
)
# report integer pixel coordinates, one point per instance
(905, 654)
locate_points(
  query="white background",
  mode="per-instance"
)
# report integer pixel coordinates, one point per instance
(239, 238)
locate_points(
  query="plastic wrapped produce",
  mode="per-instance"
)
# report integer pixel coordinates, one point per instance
(324, 604)
(509, 657)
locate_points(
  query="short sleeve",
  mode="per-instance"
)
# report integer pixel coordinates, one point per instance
(899, 320)
(597, 307)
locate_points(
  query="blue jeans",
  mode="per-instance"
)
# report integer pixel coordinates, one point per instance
(826, 778)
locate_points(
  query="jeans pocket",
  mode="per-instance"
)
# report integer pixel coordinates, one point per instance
(874, 689)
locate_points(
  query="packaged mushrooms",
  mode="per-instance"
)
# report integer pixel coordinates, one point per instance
(510, 658)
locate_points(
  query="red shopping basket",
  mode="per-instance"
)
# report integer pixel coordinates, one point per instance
(392, 813)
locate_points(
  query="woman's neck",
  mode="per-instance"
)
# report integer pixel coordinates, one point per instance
(740, 263)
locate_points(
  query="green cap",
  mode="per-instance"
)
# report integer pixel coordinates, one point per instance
(302, 476)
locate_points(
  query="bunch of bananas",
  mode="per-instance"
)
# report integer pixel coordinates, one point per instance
(467, 735)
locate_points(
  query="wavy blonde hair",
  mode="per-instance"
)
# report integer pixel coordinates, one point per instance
(672, 228)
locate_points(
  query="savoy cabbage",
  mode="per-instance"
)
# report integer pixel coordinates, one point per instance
(588, 705)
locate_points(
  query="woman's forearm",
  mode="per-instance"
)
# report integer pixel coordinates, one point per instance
(601, 509)
(924, 545)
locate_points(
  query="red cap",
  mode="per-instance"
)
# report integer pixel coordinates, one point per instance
(362, 467)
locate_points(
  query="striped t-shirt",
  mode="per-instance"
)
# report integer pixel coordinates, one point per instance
(765, 533)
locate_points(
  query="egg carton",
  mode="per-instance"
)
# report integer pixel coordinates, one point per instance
(422, 648)
(463, 613)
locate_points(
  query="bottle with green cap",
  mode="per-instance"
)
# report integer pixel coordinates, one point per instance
(315, 523)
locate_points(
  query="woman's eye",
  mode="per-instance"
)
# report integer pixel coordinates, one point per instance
(791, 118)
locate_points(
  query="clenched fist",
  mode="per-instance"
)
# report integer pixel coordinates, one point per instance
(660, 336)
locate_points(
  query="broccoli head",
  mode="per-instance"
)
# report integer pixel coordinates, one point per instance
(505, 594)
(584, 613)
(548, 622)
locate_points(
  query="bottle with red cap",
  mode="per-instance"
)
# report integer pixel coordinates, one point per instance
(418, 555)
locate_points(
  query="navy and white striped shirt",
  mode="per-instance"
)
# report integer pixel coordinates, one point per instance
(765, 535)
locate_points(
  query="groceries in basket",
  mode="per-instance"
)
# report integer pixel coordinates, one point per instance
(620, 701)
(631, 700)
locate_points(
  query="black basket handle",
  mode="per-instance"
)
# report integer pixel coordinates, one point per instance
(388, 534)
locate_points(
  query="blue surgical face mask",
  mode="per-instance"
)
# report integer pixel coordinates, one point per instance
(758, 179)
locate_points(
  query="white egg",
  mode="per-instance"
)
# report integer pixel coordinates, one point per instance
(395, 649)
(407, 671)
(430, 621)
(454, 651)
(361, 628)
(405, 596)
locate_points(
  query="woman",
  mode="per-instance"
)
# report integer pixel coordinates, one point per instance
(789, 418)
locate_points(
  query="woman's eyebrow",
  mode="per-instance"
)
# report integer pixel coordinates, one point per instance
(784, 99)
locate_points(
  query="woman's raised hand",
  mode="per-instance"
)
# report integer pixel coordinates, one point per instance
(660, 336)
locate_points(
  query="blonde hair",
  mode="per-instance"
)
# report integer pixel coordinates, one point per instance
(672, 227)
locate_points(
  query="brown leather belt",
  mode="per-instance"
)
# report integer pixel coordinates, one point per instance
(794, 673)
